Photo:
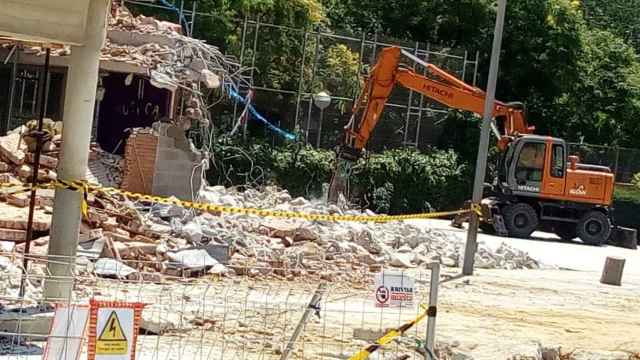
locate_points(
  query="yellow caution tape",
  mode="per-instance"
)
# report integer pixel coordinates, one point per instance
(85, 188)
(477, 209)
(389, 336)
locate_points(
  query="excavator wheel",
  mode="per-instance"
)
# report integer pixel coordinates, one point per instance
(594, 228)
(520, 219)
(566, 232)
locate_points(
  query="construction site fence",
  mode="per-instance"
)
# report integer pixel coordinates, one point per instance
(251, 313)
(409, 119)
(624, 162)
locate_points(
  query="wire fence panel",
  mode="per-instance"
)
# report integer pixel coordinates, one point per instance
(624, 162)
(250, 314)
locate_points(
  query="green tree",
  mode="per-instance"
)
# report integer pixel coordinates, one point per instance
(603, 106)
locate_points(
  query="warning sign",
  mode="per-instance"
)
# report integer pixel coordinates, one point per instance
(393, 289)
(111, 340)
(112, 330)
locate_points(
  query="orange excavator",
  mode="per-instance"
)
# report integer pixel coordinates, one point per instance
(538, 186)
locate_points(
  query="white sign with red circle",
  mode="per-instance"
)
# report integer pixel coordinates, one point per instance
(393, 289)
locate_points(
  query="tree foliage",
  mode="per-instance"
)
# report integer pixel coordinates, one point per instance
(572, 62)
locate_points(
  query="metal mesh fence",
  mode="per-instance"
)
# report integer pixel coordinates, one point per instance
(250, 315)
(624, 162)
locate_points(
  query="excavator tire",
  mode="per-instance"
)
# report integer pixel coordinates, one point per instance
(520, 219)
(566, 232)
(594, 228)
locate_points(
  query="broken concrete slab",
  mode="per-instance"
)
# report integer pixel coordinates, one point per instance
(91, 249)
(13, 235)
(38, 323)
(113, 268)
(369, 335)
(126, 37)
(221, 253)
(12, 148)
(47, 161)
(194, 259)
(16, 218)
(159, 319)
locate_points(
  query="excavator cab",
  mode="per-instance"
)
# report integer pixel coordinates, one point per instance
(539, 166)
(540, 187)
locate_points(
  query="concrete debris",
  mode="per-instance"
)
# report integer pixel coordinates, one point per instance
(112, 268)
(159, 319)
(133, 240)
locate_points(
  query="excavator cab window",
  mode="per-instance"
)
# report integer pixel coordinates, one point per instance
(530, 163)
(558, 161)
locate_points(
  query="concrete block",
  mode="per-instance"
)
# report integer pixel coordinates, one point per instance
(13, 234)
(368, 335)
(166, 142)
(137, 38)
(219, 252)
(10, 150)
(26, 323)
(45, 160)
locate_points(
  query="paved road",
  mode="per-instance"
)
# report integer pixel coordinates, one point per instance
(548, 249)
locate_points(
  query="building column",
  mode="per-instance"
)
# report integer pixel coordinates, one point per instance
(79, 103)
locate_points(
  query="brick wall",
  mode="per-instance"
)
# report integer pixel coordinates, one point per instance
(140, 162)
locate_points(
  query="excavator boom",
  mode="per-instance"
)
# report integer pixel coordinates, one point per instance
(443, 88)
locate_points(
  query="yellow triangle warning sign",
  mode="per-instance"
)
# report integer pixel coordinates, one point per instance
(112, 340)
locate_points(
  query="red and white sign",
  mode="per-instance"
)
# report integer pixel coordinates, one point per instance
(393, 289)
(113, 330)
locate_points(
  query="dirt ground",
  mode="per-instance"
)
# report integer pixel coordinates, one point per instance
(491, 315)
(500, 310)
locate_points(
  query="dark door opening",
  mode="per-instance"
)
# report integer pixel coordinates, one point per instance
(124, 107)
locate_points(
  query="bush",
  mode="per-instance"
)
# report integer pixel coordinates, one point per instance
(626, 204)
(636, 180)
(395, 181)
(405, 180)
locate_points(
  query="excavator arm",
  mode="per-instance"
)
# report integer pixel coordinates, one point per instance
(442, 87)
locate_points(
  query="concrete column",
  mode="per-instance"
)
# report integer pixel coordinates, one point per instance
(80, 97)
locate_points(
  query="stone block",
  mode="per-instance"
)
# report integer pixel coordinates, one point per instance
(137, 38)
(10, 150)
(45, 160)
(369, 335)
(13, 234)
(26, 323)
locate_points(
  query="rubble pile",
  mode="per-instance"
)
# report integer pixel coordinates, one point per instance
(16, 171)
(125, 239)
(142, 240)
(266, 242)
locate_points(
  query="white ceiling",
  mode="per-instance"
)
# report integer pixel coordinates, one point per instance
(49, 21)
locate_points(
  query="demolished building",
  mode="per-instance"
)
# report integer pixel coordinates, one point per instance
(149, 74)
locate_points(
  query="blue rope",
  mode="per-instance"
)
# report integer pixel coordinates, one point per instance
(234, 95)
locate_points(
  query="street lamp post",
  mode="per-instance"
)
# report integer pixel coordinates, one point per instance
(487, 118)
(322, 100)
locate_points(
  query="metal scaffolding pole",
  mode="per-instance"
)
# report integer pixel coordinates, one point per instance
(44, 92)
